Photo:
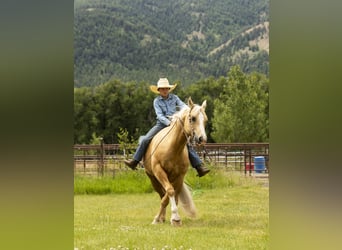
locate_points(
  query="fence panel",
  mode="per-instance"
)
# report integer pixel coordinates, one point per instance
(108, 158)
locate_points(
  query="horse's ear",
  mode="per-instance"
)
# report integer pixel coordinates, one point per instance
(190, 103)
(204, 104)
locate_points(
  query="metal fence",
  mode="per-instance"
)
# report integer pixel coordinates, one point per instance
(108, 158)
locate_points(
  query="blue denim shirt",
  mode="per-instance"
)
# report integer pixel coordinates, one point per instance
(167, 107)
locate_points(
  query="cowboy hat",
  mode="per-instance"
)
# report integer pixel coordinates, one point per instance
(162, 83)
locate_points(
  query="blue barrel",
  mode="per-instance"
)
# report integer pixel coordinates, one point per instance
(259, 164)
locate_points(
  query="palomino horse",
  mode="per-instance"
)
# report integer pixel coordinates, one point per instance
(166, 160)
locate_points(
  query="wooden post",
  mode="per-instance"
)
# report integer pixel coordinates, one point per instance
(84, 160)
(102, 157)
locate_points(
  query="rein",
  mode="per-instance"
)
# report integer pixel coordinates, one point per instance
(160, 142)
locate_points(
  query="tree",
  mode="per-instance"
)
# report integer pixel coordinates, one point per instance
(240, 113)
(124, 141)
(85, 115)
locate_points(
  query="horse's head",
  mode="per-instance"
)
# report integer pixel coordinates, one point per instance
(197, 120)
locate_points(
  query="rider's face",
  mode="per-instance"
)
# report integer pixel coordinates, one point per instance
(164, 92)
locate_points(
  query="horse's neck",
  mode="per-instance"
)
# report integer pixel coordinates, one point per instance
(179, 133)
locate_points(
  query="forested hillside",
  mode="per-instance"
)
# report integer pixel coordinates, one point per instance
(185, 40)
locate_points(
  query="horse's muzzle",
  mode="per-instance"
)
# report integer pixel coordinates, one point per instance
(200, 140)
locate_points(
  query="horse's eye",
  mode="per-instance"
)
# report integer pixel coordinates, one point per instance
(193, 119)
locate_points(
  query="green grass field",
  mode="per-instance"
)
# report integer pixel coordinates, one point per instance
(232, 214)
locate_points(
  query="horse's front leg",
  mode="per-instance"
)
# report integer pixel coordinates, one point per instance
(170, 192)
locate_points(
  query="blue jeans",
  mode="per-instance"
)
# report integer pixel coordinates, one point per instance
(145, 140)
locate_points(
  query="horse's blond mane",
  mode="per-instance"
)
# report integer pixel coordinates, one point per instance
(180, 114)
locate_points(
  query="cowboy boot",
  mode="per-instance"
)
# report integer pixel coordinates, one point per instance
(132, 164)
(202, 170)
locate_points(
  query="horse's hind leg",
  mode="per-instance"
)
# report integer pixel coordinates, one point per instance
(175, 218)
(160, 217)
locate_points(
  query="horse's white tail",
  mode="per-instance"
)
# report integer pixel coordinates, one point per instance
(186, 201)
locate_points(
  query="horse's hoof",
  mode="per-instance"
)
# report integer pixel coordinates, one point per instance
(156, 221)
(176, 223)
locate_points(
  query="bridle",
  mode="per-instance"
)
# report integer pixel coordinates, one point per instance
(189, 139)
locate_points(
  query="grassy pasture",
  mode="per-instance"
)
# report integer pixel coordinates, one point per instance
(232, 214)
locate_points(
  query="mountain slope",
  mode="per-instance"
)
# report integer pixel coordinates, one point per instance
(182, 39)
